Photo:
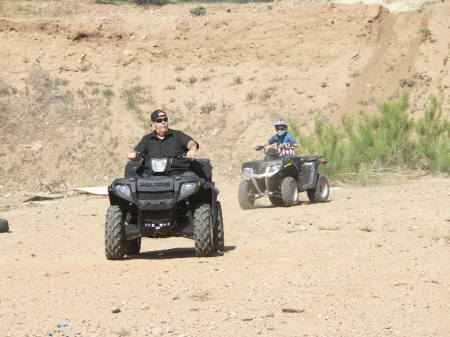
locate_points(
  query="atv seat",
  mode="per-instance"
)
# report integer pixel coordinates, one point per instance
(308, 158)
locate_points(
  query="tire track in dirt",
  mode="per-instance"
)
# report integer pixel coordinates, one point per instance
(389, 63)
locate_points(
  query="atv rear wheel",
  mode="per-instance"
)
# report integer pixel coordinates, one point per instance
(276, 201)
(289, 191)
(321, 192)
(203, 230)
(219, 237)
(115, 243)
(134, 246)
(246, 197)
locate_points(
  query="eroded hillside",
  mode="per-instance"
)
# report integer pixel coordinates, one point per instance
(78, 80)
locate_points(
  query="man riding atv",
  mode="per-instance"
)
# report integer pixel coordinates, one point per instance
(286, 143)
(164, 141)
(165, 192)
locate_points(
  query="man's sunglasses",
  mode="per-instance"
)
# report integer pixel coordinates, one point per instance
(161, 119)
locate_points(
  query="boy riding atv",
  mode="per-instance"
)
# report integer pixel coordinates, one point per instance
(281, 175)
(286, 143)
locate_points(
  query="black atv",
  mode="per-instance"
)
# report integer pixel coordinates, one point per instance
(164, 197)
(281, 178)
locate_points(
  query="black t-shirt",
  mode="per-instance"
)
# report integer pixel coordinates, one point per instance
(174, 144)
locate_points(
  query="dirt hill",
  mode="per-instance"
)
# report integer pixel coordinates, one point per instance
(78, 79)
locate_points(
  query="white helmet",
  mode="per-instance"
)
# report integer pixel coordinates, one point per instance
(281, 126)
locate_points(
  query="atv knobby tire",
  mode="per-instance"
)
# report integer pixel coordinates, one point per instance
(115, 244)
(134, 246)
(203, 230)
(276, 201)
(219, 235)
(289, 192)
(4, 226)
(246, 197)
(321, 192)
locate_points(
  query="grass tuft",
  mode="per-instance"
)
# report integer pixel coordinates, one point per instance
(208, 107)
(250, 96)
(329, 228)
(237, 80)
(366, 229)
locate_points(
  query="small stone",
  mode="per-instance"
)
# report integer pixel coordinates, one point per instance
(145, 307)
(36, 147)
(293, 310)
(158, 331)
(115, 310)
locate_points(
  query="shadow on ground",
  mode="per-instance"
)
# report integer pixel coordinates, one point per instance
(173, 253)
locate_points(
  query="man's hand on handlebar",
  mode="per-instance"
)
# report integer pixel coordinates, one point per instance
(191, 154)
(135, 156)
(259, 148)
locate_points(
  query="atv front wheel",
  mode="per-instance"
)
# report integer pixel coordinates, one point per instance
(246, 197)
(203, 231)
(219, 237)
(321, 192)
(289, 192)
(114, 234)
(134, 246)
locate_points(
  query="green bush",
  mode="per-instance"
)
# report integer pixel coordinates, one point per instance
(198, 11)
(390, 139)
(433, 134)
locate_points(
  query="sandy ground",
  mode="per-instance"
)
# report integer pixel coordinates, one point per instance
(372, 262)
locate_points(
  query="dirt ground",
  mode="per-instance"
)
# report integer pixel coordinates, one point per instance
(371, 262)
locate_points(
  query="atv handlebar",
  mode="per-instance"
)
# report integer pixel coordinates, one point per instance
(141, 155)
(287, 146)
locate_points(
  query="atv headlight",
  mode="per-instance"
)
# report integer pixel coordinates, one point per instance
(159, 165)
(123, 190)
(248, 171)
(273, 170)
(186, 189)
